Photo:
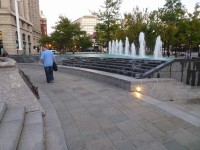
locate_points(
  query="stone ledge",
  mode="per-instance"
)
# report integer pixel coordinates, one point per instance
(13, 90)
(6, 62)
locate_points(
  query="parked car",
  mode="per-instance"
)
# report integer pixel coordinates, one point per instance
(54, 51)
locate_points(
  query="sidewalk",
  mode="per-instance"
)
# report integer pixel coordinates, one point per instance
(193, 54)
(98, 116)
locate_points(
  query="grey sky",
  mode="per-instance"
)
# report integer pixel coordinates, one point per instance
(77, 8)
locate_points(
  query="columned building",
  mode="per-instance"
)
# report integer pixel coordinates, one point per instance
(29, 21)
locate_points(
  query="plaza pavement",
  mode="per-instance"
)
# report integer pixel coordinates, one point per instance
(98, 116)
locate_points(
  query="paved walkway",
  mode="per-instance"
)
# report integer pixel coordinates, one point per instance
(98, 116)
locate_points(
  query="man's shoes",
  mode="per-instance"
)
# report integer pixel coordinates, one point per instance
(51, 81)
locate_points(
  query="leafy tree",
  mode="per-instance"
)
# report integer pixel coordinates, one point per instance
(173, 14)
(45, 39)
(194, 26)
(65, 33)
(109, 17)
(134, 23)
(83, 42)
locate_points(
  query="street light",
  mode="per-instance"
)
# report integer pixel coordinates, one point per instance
(18, 26)
(182, 45)
(190, 45)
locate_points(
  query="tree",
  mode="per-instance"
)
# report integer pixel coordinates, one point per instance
(134, 23)
(65, 33)
(173, 14)
(45, 39)
(194, 25)
(83, 42)
(109, 17)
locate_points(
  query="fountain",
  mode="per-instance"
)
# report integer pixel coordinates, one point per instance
(133, 51)
(142, 45)
(113, 47)
(120, 47)
(116, 48)
(127, 47)
(158, 48)
(109, 47)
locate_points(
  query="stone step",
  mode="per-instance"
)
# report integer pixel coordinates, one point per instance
(11, 128)
(2, 109)
(32, 137)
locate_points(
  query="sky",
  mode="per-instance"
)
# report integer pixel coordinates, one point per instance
(75, 9)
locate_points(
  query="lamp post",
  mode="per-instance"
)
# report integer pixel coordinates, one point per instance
(199, 52)
(190, 45)
(182, 45)
(18, 26)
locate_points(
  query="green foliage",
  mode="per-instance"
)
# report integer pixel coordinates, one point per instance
(173, 23)
(66, 36)
(109, 18)
(45, 39)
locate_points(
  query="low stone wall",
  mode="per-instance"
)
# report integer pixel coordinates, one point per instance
(13, 90)
(165, 89)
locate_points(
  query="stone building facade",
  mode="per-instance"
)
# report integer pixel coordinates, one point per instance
(29, 20)
(87, 23)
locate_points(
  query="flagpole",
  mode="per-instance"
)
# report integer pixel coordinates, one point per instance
(18, 26)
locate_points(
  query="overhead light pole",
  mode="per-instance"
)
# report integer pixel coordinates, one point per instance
(18, 26)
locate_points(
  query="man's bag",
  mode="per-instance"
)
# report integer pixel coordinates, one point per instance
(55, 67)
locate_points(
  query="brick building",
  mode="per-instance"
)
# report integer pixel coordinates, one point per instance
(43, 22)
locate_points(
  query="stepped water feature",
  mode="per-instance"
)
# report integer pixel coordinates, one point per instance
(122, 58)
(116, 48)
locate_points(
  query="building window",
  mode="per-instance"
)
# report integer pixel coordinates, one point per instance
(29, 44)
(24, 41)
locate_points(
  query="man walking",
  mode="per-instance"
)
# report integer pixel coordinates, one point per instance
(47, 58)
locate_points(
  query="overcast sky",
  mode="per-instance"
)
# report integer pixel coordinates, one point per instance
(75, 9)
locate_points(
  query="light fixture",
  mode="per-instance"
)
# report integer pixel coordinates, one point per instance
(138, 88)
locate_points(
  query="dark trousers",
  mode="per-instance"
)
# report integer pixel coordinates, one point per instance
(49, 73)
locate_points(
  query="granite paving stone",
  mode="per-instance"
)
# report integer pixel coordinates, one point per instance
(127, 145)
(183, 136)
(97, 116)
(174, 145)
(152, 146)
(118, 118)
(101, 144)
(143, 139)
(194, 145)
